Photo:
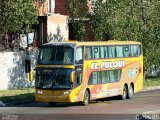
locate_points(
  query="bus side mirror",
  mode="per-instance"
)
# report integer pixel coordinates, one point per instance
(31, 75)
(72, 76)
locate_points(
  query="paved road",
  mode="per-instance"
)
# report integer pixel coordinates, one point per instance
(111, 108)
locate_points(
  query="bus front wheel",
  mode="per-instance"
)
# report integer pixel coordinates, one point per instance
(86, 98)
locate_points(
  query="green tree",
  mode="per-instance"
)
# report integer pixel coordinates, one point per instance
(17, 16)
(136, 20)
(98, 20)
(78, 14)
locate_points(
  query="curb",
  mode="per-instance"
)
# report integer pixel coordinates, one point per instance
(151, 88)
(153, 112)
(18, 103)
(9, 104)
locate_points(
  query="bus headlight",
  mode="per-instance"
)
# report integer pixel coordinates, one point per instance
(40, 92)
(66, 93)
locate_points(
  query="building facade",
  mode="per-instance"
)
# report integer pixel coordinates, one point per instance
(52, 26)
(48, 8)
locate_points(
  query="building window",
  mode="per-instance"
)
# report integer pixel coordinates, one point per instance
(51, 6)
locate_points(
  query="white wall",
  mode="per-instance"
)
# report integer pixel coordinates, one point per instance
(12, 69)
(57, 28)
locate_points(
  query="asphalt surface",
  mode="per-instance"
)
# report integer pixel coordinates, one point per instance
(143, 106)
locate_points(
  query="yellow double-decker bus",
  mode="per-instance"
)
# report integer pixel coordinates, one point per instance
(85, 71)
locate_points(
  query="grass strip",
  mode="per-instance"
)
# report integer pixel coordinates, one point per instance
(17, 95)
(152, 82)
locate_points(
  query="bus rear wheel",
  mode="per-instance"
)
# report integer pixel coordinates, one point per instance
(86, 98)
(124, 94)
(130, 92)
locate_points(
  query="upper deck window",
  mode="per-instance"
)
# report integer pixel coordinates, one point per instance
(79, 55)
(112, 51)
(135, 50)
(88, 52)
(96, 52)
(119, 51)
(126, 50)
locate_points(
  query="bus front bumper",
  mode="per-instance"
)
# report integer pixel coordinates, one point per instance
(56, 96)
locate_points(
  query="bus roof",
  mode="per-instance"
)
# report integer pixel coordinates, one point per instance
(92, 43)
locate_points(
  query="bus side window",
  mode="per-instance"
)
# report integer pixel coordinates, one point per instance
(119, 51)
(105, 77)
(115, 75)
(139, 50)
(95, 78)
(111, 51)
(134, 50)
(88, 54)
(104, 52)
(126, 50)
(96, 52)
(79, 55)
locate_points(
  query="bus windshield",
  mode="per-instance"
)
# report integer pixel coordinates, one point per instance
(53, 78)
(56, 55)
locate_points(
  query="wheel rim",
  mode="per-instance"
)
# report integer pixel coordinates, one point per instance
(130, 91)
(124, 93)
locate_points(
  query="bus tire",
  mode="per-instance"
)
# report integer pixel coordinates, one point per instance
(52, 104)
(86, 98)
(124, 94)
(130, 92)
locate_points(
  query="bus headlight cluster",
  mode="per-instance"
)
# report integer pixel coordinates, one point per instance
(40, 92)
(66, 93)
